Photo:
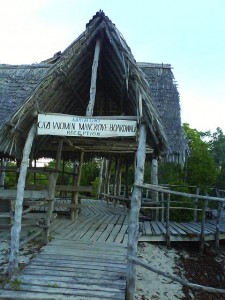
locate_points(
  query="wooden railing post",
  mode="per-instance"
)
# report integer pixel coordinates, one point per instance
(52, 184)
(163, 207)
(218, 223)
(202, 236)
(168, 221)
(133, 229)
(196, 205)
(154, 180)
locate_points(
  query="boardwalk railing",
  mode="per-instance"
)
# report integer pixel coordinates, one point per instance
(166, 204)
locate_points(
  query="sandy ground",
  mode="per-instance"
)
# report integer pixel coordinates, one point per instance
(151, 286)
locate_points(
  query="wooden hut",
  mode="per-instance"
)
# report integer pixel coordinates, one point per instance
(91, 100)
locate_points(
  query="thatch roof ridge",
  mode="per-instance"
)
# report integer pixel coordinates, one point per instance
(164, 93)
(154, 65)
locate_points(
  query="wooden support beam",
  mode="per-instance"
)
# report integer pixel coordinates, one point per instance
(133, 229)
(196, 204)
(16, 228)
(75, 199)
(218, 223)
(102, 163)
(116, 188)
(168, 222)
(202, 236)
(154, 180)
(90, 107)
(52, 184)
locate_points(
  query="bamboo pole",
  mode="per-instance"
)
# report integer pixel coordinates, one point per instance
(133, 229)
(51, 189)
(16, 228)
(202, 236)
(168, 221)
(90, 107)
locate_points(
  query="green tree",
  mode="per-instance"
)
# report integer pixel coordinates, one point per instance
(220, 181)
(217, 147)
(201, 168)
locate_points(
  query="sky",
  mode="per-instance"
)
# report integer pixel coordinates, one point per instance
(188, 34)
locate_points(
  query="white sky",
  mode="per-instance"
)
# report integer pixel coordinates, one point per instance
(188, 34)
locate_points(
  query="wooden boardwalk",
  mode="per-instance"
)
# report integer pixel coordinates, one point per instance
(182, 231)
(86, 258)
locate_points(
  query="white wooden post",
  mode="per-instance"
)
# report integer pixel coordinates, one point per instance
(16, 228)
(90, 107)
(75, 196)
(154, 180)
(102, 163)
(133, 229)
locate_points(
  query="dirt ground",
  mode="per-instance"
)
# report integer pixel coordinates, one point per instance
(183, 261)
(206, 269)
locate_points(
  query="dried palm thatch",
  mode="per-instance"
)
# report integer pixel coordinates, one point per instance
(163, 91)
(62, 85)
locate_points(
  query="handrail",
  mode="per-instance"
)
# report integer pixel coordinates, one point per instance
(166, 191)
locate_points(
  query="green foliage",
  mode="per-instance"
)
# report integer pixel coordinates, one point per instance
(171, 173)
(220, 181)
(201, 168)
(90, 171)
(181, 214)
(217, 147)
(10, 177)
(15, 284)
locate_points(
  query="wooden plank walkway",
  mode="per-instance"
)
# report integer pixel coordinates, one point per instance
(85, 260)
(183, 231)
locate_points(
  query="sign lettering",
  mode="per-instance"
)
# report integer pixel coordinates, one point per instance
(67, 125)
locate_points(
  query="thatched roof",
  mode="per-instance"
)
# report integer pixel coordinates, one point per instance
(163, 90)
(62, 85)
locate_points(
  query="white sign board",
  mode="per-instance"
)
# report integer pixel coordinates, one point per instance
(67, 125)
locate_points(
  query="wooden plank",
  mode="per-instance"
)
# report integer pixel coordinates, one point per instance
(114, 233)
(28, 194)
(155, 228)
(178, 229)
(40, 295)
(148, 228)
(162, 227)
(72, 292)
(72, 188)
(106, 233)
(95, 281)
